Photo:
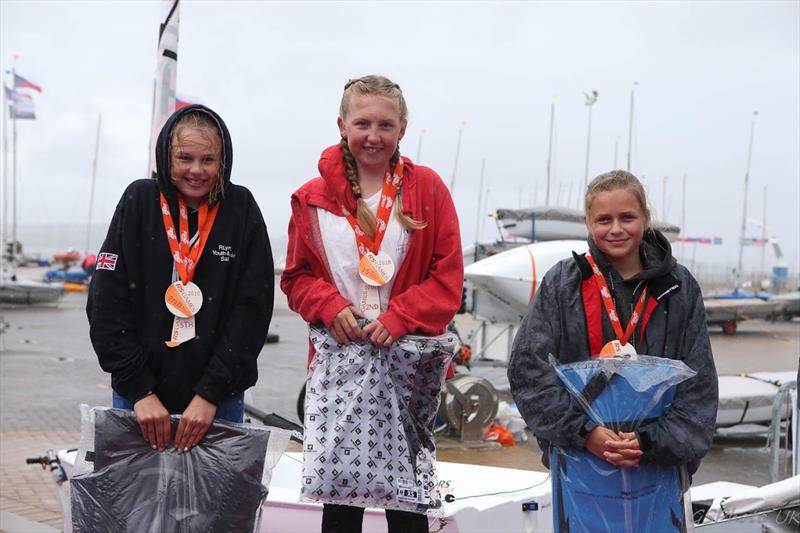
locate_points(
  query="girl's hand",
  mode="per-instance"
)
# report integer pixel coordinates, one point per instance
(377, 334)
(194, 423)
(598, 440)
(153, 419)
(345, 327)
(624, 453)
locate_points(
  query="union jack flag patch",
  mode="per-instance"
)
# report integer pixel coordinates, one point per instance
(106, 261)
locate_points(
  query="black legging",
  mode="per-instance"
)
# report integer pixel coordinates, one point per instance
(348, 519)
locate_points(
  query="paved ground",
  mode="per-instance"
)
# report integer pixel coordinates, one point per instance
(48, 368)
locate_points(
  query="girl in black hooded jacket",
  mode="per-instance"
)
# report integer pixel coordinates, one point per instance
(181, 300)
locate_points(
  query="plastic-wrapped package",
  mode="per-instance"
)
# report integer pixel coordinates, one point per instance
(121, 484)
(369, 422)
(593, 495)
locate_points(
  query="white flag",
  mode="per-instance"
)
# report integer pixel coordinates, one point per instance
(166, 73)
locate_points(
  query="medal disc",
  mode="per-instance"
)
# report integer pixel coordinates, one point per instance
(182, 300)
(376, 269)
(617, 349)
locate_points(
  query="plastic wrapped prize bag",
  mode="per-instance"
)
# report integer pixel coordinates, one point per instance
(369, 418)
(593, 495)
(121, 484)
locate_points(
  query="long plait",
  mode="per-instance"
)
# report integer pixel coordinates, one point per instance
(363, 214)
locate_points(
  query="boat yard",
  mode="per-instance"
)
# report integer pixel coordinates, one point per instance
(48, 368)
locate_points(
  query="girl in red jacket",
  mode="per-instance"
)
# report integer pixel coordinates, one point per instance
(377, 237)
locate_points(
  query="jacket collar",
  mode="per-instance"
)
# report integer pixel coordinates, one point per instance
(333, 190)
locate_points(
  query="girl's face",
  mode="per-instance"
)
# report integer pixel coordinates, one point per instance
(373, 128)
(195, 164)
(616, 223)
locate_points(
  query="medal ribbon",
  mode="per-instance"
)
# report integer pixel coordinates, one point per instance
(186, 258)
(391, 183)
(608, 303)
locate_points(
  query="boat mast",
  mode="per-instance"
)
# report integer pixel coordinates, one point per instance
(590, 101)
(630, 126)
(418, 160)
(94, 176)
(550, 151)
(479, 218)
(455, 165)
(744, 207)
(764, 233)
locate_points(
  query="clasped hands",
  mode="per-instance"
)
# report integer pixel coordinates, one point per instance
(154, 421)
(618, 448)
(345, 329)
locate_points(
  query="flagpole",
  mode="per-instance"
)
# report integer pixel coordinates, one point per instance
(94, 176)
(6, 110)
(14, 189)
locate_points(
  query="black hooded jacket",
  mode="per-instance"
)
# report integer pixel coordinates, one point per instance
(556, 324)
(128, 318)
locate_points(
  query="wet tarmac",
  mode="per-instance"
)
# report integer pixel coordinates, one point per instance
(48, 368)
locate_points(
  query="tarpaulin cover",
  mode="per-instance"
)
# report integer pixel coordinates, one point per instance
(593, 495)
(123, 485)
(369, 422)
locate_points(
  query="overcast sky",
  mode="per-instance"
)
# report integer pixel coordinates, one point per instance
(274, 71)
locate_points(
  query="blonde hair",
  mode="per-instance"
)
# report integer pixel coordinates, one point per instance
(205, 125)
(617, 179)
(380, 86)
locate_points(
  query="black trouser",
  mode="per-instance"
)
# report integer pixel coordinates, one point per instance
(348, 519)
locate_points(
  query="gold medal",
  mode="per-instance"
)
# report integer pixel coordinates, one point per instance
(376, 269)
(183, 301)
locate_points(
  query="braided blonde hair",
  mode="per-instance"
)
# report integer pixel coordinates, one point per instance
(381, 86)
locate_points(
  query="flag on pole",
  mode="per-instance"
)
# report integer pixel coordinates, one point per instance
(183, 100)
(22, 83)
(20, 105)
(166, 74)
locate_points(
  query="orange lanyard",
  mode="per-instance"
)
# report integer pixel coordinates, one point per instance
(391, 183)
(185, 257)
(608, 303)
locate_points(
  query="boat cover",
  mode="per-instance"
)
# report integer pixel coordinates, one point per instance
(123, 485)
(369, 422)
(592, 495)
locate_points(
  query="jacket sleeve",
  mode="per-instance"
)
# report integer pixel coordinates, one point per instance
(111, 306)
(683, 435)
(431, 304)
(547, 407)
(308, 293)
(232, 366)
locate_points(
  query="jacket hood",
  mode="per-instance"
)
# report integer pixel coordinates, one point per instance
(332, 169)
(655, 252)
(162, 150)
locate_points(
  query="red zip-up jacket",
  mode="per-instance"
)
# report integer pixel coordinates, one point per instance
(427, 290)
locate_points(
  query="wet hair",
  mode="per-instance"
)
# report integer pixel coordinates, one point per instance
(617, 179)
(205, 125)
(379, 86)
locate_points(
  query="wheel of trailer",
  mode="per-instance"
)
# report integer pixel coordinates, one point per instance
(729, 327)
(301, 404)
